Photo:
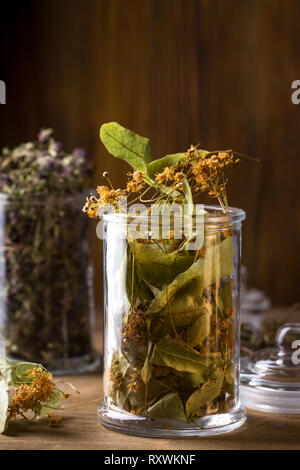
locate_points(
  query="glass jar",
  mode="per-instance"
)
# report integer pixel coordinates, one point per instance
(47, 311)
(172, 326)
(270, 377)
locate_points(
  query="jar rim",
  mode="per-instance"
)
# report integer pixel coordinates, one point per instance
(42, 199)
(213, 215)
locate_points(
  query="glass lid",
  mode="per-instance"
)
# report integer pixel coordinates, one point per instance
(270, 378)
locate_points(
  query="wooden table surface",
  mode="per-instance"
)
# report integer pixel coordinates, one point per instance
(80, 429)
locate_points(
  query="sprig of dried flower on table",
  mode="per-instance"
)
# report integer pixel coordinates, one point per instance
(175, 354)
(179, 177)
(28, 390)
(40, 185)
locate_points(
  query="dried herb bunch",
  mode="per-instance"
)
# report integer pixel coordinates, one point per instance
(28, 390)
(179, 177)
(44, 252)
(175, 355)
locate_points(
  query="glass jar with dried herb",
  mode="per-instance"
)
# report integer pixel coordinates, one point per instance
(172, 327)
(46, 277)
(46, 282)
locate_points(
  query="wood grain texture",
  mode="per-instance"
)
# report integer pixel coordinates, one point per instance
(80, 429)
(180, 72)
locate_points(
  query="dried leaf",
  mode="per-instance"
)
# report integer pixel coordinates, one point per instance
(170, 406)
(6, 370)
(136, 288)
(158, 166)
(159, 268)
(146, 372)
(188, 198)
(200, 329)
(52, 403)
(19, 372)
(226, 295)
(125, 144)
(204, 395)
(188, 380)
(171, 353)
(4, 401)
(217, 264)
(187, 305)
(229, 379)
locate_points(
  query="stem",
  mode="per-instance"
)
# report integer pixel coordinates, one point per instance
(141, 195)
(222, 204)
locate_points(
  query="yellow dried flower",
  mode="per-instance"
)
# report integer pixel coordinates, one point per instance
(106, 196)
(179, 176)
(136, 182)
(136, 383)
(167, 175)
(65, 396)
(209, 174)
(31, 396)
(91, 207)
(54, 420)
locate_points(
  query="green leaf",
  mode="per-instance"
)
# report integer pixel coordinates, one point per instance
(158, 166)
(19, 372)
(230, 372)
(170, 406)
(125, 144)
(14, 372)
(4, 401)
(226, 295)
(229, 380)
(187, 304)
(188, 197)
(159, 327)
(159, 268)
(183, 310)
(188, 380)
(6, 370)
(217, 264)
(204, 395)
(200, 329)
(51, 403)
(136, 288)
(169, 352)
(181, 281)
(219, 261)
(146, 372)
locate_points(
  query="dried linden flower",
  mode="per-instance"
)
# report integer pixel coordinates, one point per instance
(28, 390)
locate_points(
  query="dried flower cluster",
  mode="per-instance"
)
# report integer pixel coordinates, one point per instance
(209, 174)
(204, 172)
(28, 390)
(42, 167)
(135, 329)
(106, 195)
(32, 395)
(197, 170)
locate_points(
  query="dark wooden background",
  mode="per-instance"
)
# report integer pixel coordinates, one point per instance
(180, 72)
